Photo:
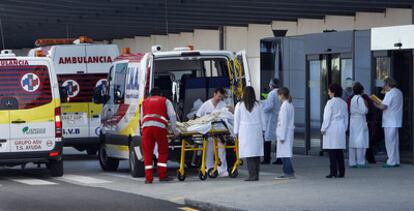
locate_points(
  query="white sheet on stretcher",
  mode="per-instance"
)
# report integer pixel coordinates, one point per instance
(205, 124)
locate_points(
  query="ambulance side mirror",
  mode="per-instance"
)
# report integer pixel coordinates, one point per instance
(63, 92)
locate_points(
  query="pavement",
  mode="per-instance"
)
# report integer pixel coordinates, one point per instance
(373, 188)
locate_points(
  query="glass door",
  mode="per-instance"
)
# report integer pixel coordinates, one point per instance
(323, 70)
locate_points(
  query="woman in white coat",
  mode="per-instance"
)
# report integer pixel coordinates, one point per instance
(335, 123)
(285, 132)
(358, 128)
(249, 127)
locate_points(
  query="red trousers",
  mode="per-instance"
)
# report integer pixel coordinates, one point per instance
(150, 136)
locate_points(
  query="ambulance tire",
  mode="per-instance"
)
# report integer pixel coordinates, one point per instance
(136, 166)
(107, 163)
(56, 168)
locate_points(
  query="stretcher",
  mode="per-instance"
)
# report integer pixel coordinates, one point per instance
(195, 141)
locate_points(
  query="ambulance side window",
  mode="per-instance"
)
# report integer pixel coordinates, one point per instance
(119, 81)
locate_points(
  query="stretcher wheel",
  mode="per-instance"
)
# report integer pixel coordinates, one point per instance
(234, 174)
(212, 174)
(181, 177)
(241, 162)
(219, 163)
(202, 176)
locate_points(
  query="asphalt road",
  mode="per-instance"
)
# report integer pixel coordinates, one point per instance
(78, 189)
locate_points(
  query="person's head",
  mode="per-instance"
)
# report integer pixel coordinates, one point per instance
(389, 83)
(249, 98)
(155, 92)
(219, 94)
(334, 90)
(274, 84)
(284, 94)
(357, 88)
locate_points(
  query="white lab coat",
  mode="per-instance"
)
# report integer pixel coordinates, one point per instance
(250, 127)
(271, 110)
(335, 123)
(392, 116)
(358, 128)
(285, 130)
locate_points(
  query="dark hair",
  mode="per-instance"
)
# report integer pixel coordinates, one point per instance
(336, 90)
(274, 83)
(220, 90)
(155, 91)
(285, 92)
(249, 98)
(357, 88)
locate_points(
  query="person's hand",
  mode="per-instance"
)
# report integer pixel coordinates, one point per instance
(176, 133)
(282, 141)
(323, 132)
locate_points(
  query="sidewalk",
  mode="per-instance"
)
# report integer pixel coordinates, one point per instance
(374, 188)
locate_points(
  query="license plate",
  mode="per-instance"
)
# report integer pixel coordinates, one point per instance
(74, 118)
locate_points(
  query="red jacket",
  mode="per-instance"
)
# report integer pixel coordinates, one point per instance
(155, 109)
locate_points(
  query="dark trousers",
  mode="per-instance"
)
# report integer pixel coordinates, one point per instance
(267, 145)
(253, 166)
(337, 163)
(287, 166)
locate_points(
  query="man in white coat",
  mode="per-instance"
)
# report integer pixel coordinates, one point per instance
(271, 110)
(285, 132)
(214, 104)
(392, 114)
(358, 128)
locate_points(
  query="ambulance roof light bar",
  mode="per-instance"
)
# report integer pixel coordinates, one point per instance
(64, 41)
(7, 53)
(186, 48)
(125, 51)
(156, 48)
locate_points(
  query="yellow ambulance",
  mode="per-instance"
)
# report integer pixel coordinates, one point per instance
(184, 76)
(30, 116)
(80, 66)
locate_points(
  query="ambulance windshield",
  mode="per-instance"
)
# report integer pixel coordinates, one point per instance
(24, 87)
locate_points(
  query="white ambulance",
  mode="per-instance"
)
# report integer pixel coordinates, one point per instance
(30, 116)
(80, 67)
(184, 76)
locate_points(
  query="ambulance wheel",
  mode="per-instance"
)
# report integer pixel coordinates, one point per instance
(212, 174)
(136, 166)
(56, 168)
(202, 176)
(107, 163)
(234, 174)
(181, 177)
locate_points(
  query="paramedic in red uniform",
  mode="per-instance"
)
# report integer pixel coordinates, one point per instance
(155, 113)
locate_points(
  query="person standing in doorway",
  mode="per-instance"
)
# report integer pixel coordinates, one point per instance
(271, 109)
(392, 115)
(285, 132)
(249, 127)
(358, 128)
(216, 103)
(334, 126)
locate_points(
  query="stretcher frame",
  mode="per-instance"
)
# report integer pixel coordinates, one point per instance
(190, 146)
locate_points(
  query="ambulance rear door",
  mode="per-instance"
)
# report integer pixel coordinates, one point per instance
(32, 112)
(70, 67)
(240, 77)
(6, 102)
(100, 58)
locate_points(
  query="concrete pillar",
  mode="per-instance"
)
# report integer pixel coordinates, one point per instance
(206, 39)
(235, 38)
(310, 26)
(339, 23)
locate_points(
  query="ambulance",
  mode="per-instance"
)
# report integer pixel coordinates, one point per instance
(30, 116)
(80, 67)
(184, 75)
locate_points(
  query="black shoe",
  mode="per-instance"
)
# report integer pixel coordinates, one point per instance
(341, 176)
(148, 182)
(330, 176)
(277, 162)
(167, 179)
(265, 162)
